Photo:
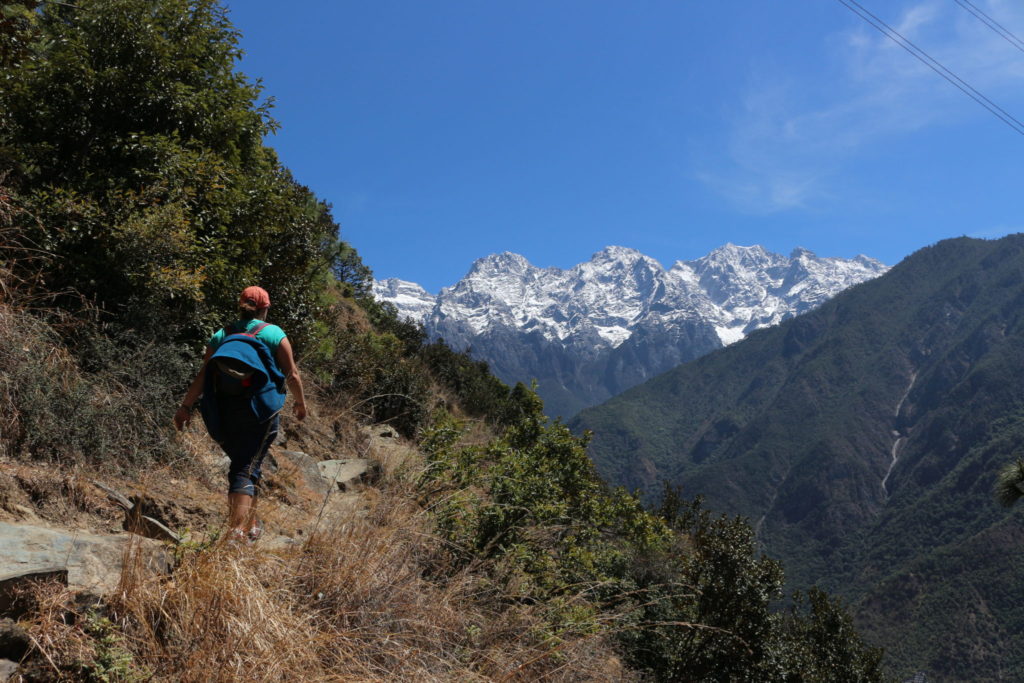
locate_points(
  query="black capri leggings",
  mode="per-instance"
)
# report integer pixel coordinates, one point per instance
(246, 442)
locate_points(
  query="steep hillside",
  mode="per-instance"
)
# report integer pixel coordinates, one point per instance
(592, 331)
(862, 441)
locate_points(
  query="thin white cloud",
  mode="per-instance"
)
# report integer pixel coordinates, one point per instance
(788, 139)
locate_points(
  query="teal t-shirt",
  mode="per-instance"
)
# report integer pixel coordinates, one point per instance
(271, 335)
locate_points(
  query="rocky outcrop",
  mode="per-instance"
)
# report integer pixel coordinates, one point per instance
(297, 469)
(83, 561)
(346, 474)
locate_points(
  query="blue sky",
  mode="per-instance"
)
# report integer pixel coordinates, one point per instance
(445, 131)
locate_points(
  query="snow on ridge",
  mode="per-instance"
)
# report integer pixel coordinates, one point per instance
(411, 300)
(735, 289)
(729, 335)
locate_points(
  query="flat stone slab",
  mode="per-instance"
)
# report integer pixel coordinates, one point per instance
(297, 466)
(348, 473)
(86, 562)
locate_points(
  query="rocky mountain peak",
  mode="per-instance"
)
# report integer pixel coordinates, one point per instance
(617, 254)
(411, 300)
(505, 263)
(619, 304)
(735, 256)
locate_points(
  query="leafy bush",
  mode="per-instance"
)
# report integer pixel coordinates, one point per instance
(823, 644)
(115, 412)
(529, 502)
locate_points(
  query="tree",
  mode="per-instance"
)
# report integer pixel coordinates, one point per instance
(721, 585)
(823, 645)
(349, 270)
(711, 613)
(135, 141)
(17, 30)
(1010, 483)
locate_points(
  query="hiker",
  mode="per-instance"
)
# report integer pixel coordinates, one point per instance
(242, 395)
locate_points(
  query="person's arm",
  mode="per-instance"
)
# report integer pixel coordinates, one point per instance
(286, 361)
(183, 415)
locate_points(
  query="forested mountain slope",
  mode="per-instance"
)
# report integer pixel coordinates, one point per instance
(862, 441)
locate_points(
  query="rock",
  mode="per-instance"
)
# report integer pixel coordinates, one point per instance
(83, 561)
(392, 452)
(297, 467)
(7, 670)
(348, 473)
(14, 641)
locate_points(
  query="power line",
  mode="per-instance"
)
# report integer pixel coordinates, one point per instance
(992, 24)
(926, 59)
(933, 64)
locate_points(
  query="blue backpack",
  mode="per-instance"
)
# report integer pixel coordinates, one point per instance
(242, 367)
(233, 377)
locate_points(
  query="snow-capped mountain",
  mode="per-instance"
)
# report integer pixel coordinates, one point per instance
(591, 331)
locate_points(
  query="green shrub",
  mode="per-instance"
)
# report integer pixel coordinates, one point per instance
(531, 501)
(370, 373)
(115, 412)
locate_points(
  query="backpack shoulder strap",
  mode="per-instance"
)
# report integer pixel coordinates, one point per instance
(230, 329)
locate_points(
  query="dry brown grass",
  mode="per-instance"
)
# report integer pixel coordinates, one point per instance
(368, 596)
(353, 602)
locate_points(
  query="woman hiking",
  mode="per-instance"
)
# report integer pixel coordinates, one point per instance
(245, 369)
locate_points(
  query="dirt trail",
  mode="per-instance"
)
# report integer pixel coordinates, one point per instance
(304, 492)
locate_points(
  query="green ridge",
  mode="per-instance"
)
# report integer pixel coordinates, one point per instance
(795, 426)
